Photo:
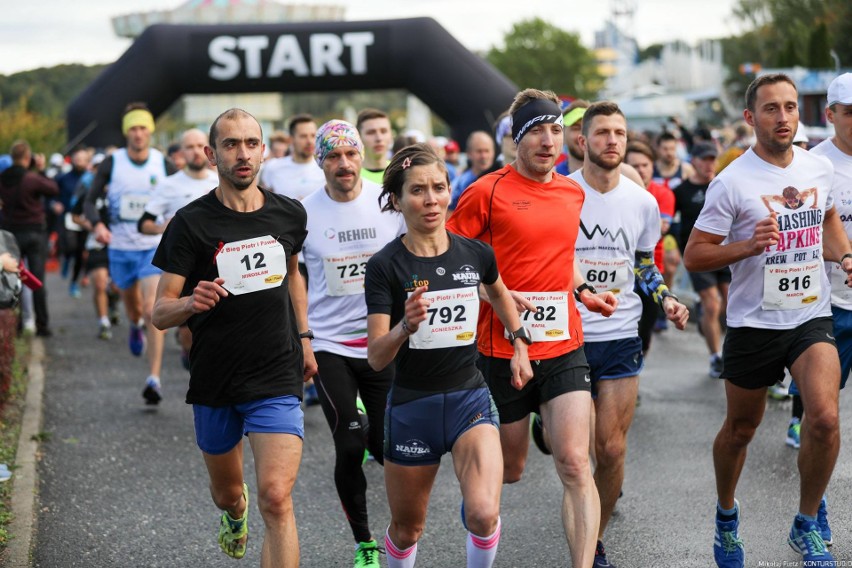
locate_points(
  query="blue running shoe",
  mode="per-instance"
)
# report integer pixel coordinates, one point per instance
(136, 341)
(152, 393)
(794, 434)
(728, 547)
(805, 538)
(822, 520)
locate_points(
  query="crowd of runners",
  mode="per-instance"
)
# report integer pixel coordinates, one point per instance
(433, 305)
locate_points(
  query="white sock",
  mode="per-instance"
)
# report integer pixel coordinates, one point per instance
(104, 321)
(399, 558)
(481, 550)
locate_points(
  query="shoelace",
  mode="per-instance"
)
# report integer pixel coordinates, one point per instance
(370, 555)
(730, 542)
(813, 542)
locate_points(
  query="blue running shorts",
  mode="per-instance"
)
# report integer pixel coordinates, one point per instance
(219, 428)
(614, 359)
(128, 266)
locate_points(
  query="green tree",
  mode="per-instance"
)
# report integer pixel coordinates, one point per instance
(44, 133)
(540, 55)
(819, 56)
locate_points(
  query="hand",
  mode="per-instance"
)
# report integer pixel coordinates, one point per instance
(520, 366)
(676, 312)
(102, 234)
(846, 265)
(9, 263)
(521, 303)
(766, 233)
(603, 303)
(310, 367)
(206, 295)
(415, 309)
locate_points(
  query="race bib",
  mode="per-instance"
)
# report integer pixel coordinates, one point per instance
(131, 206)
(344, 274)
(791, 286)
(252, 265)
(606, 274)
(549, 321)
(450, 320)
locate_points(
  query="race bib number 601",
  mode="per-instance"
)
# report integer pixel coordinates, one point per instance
(252, 265)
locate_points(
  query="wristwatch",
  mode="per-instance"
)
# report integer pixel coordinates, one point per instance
(307, 334)
(584, 286)
(521, 334)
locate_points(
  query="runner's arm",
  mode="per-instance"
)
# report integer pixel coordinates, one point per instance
(383, 343)
(705, 252)
(603, 303)
(505, 307)
(299, 299)
(835, 241)
(172, 310)
(651, 281)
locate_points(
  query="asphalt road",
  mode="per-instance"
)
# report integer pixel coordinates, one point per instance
(123, 485)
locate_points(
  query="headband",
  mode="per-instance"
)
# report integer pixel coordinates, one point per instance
(537, 111)
(333, 134)
(137, 117)
(575, 115)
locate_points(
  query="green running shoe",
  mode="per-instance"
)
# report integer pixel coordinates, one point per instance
(367, 555)
(233, 534)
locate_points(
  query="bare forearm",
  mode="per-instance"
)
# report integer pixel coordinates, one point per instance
(705, 257)
(382, 350)
(835, 240)
(171, 312)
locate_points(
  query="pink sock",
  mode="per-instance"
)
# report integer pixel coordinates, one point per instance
(481, 550)
(400, 558)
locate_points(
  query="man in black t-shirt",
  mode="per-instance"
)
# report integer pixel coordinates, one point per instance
(711, 287)
(230, 271)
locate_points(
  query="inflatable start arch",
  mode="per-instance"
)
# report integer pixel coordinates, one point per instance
(416, 54)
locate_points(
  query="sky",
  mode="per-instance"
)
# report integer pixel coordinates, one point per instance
(43, 33)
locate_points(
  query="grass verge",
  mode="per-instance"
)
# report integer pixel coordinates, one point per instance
(10, 427)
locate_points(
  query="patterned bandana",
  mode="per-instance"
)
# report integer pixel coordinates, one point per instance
(334, 134)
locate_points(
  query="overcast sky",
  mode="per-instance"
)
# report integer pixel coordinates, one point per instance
(42, 33)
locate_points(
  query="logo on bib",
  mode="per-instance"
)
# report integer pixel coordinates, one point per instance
(554, 332)
(466, 336)
(273, 279)
(809, 300)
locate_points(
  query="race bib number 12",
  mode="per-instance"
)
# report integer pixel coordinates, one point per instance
(252, 265)
(791, 286)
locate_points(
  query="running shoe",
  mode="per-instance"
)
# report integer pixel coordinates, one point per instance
(600, 557)
(136, 340)
(233, 534)
(794, 431)
(105, 332)
(74, 290)
(152, 392)
(805, 538)
(822, 521)
(778, 391)
(715, 366)
(537, 433)
(367, 555)
(728, 547)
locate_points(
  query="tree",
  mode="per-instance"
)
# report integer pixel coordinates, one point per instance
(44, 133)
(819, 56)
(540, 55)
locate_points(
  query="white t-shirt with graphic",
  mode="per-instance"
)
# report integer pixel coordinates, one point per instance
(613, 226)
(341, 239)
(841, 294)
(286, 177)
(178, 190)
(786, 285)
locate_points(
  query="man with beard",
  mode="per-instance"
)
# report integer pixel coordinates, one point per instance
(619, 228)
(230, 271)
(128, 179)
(187, 185)
(531, 218)
(669, 170)
(296, 175)
(779, 311)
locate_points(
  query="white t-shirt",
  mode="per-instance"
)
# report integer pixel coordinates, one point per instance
(286, 177)
(341, 239)
(841, 294)
(613, 226)
(178, 190)
(787, 284)
(130, 188)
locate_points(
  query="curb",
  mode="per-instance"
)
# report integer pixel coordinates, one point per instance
(25, 480)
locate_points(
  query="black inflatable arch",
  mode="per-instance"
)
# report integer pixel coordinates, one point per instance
(416, 54)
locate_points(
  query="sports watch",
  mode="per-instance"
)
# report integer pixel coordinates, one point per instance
(307, 335)
(523, 334)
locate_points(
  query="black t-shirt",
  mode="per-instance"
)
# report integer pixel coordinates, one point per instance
(394, 272)
(246, 348)
(689, 200)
